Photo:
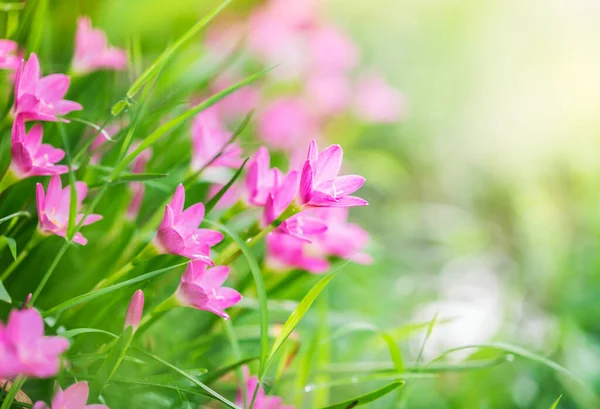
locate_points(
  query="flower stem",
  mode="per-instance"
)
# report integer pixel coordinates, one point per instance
(33, 241)
(8, 180)
(147, 253)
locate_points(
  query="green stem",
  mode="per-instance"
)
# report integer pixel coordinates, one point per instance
(33, 241)
(157, 312)
(8, 180)
(147, 253)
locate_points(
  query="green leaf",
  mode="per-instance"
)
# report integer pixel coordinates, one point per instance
(111, 363)
(12, 245)
(195, 381)
(142, 382)
(213, 202)
(219, 373)
(4, 296)
(168, 53)
(555, 404)
(368, 398)
(98, 293)
(11, 6)
(299, 312)
(173, 123)
(17, 214)
(260, 291)
(517, 351)
(131, 177)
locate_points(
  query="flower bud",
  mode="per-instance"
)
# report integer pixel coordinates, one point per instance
(135, 309)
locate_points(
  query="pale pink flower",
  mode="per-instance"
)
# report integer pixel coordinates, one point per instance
(261, 400)
(135, 310)
(332, 50)
(137, 188)
(24, 350)
(53, 208)
(222, 38)
(179, 233)
(40, 98)
(287, 124)
(299, 14)
(341, 239)
(260, 178)
(74, 397)
(239, 103)
(286, 252)
(201, 288)
(92, 51)
(328, 93)
(29, 156)
(377, 101)
(208, 139)
(231, 196)
(320, 185)
(8, 58)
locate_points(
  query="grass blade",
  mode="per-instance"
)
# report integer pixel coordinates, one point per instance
(98, 293)
(368, 398)
(12, 245)
(173, 123)
(14, 215)
(556, 402)
(4, 296)
(213, 202)
(260, 291)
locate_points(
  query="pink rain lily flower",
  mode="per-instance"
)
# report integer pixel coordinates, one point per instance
(179, 233)
(41, 98)
(208, 139)
(377, 101)
(29, 156)
(74, 397)
(332, 50)
(24, 350)
(201, 288)
(8, 57)
(287, 124)
(260, 178)
(329, 93)
(261, 401)
(53, 208)
(286, 252)
(92, 51)
(320, 185)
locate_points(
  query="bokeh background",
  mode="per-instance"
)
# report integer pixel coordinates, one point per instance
(484, 198)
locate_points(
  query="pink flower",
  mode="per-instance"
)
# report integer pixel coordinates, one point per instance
(24, 350)
(201, 288)
(8, 58)
(377, 101)
(239, 103)
(285, 252)
(231, 196)
(179, 233)
(286, 124)
(260, 178)
(329, 94)
(53, 208)
(341, 239)
(332, 50)
(135, 310)
(320, 185)
(261, 401)
(74, 397)
(29, 156)
(208, 139)
(137, 188)
(92, 51)
(41, 98)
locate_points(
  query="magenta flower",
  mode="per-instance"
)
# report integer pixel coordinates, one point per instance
(320, 185)
(286, 252)
(287, 124)
(201, 288)
(137, 188)
(8, 58)
(377, 101)
(208, 139)
(40, 98)
(24, 350)
(135, 310)
(260, 178)
(74, 397)
(261, 401)
(92, 51)
(179, 233)
(29, 156)
(53, 208)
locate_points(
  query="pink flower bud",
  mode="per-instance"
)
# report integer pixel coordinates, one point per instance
(135, 310)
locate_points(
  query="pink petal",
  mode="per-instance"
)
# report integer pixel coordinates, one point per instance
(328, 163)
(78, 238)
(192, 295)
(313, 151)
(178, 201)
(345, 185)
(192, 216)
(39, 199)
(53, 194)
(33, 140)
(21, 159)
(168, 219)
(91, 218)
(52, 87)
(306, 183)
(24, 328)
(350, 201)
(49, 153)
(227, 297)
(170, 241)
(212, 278)
(76, 395)
(210, 237)
(48, 170)
(65, 106)
(40, 405)
(18, 133)
(30, 75)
